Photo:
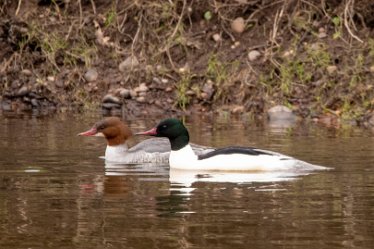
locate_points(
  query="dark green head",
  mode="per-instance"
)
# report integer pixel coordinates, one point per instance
(173, 129)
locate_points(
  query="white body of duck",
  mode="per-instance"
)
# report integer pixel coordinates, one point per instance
(229, 159)
(118, 149)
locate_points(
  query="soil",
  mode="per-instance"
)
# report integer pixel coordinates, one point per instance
(157, 57)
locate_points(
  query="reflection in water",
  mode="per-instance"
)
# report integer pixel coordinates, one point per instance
(56, 193)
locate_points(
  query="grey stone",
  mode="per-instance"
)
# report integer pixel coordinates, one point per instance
(110, 106)
(128, 64)
(254, 55)
(23, 91)
(34, 103)
(125, 93)
(91, 75)
(109, 98)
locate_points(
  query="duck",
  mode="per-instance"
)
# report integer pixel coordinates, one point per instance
(121, 147)
(233, 158)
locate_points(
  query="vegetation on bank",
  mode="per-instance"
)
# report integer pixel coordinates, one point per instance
(316, 57)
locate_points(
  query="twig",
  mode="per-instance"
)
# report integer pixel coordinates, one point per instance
(93, 6)
(18, 7)
(348, 15)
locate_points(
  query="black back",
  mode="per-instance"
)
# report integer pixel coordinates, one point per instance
(234, 150)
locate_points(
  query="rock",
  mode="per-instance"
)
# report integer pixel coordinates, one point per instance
(238, 25)
(128, 64)
(237, 109)
(217, 37)
(331, 69)
(140, 99)
(372, 69)
(371, 119)
(133, 94)
(190, 93)
(6, 106)
(156, 80)
(125, 93)
(26, 72)
(110, 106)
(34, 103)
(208, 90)
(254, 55)
(109, 98)
(23, 91)
(141, 88)
(165, 81)
(322, 35)
(59, 83)
(168, 89)
(170, 101)
(280, 112)
(51, 78)
(91, 75)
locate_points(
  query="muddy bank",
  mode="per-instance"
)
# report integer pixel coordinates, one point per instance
(317, 59)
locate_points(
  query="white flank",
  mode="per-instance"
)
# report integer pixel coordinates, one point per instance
(185, 158)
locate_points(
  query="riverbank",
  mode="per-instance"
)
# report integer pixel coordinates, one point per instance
(140, 58)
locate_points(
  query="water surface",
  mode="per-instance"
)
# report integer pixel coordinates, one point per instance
(55, 191)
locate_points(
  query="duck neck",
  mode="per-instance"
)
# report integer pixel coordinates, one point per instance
(115, 152)
(179, 142)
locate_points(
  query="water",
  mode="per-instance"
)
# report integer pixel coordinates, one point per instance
(55, 191)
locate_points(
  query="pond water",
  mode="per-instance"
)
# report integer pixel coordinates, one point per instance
(55, 191)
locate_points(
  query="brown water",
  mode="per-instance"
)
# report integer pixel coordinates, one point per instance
(56, 193)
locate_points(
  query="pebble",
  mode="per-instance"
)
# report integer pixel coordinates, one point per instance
(217, 37)
(6, 106)
(34, 102)
(170, 101)
(208, 89)
(141, 88)
(26, 72)
(109, 98)
(165, 81)
(331, 69)
(110, 106)
(125, 93)
(140, 99)
(372, 69)
(133, 94)
(238, 25)
(23, 91)
(322, 35)
(254, 55)
(51, 78)
(237, 109)
(59, 83)
(156, 80)
(371, 119)
(168, 89)
(128, 64)
(190, 93)
(91, 75)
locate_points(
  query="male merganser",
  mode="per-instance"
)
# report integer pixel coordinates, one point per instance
(230, 158)
(118, 150)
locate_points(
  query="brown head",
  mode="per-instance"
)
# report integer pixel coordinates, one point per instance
(112, 128)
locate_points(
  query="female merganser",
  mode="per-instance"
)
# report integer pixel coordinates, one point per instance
(119, 150)
(229, 158)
